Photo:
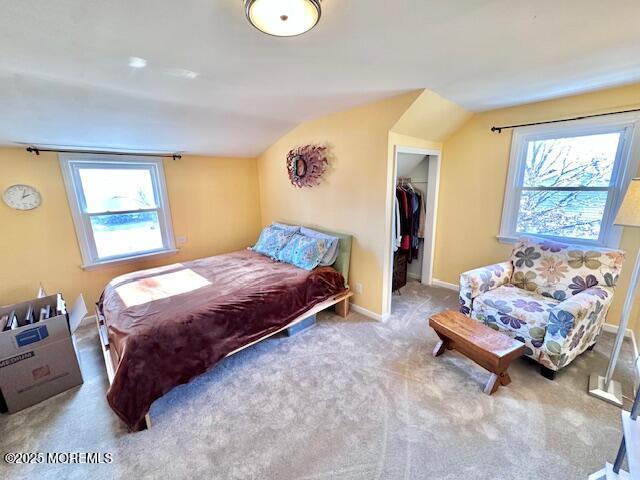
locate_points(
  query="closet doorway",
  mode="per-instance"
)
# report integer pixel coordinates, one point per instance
(416, 178)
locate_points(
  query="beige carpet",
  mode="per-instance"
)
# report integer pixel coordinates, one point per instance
(347, 399)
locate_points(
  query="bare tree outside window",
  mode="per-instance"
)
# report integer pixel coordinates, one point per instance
(566, 185)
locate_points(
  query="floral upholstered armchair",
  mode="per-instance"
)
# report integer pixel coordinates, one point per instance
(553, 297)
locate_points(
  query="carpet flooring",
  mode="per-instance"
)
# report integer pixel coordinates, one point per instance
(347, 399)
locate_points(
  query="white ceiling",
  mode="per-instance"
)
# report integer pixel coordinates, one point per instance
(65, 78)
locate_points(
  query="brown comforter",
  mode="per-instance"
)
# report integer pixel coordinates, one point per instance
(170, 324)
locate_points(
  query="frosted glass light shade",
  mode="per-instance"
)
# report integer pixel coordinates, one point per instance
(283, 18)
(629, 213)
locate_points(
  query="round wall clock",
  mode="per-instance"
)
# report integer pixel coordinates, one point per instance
(22, 197)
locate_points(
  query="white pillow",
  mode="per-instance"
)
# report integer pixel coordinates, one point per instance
(284, 226)
(332, 254)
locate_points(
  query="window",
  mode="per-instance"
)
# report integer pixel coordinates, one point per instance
(119, 206)
(566, 180)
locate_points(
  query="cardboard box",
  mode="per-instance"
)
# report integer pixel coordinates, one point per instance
(39, 360)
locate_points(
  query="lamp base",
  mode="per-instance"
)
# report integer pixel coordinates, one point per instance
(607, 473)
(597, 389)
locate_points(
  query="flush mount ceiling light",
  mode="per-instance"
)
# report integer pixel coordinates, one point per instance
(283, 18)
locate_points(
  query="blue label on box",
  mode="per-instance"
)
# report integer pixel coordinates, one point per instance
(32, 336)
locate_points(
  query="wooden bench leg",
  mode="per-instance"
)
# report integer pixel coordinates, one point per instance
(492, 385)
(440, 348)
(342, 308)
(442, 345)
(495, 381)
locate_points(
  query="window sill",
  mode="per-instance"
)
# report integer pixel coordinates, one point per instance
(131, 259)
(506, 240)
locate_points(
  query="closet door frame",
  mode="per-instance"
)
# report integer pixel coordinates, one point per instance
(433, 186)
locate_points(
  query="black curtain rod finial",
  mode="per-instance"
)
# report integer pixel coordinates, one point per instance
(496, 129)
(33, 150)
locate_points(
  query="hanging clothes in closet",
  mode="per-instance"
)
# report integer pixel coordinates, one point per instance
(396, 227)
(410, 217)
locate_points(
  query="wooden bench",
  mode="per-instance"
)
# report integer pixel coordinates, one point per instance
(489, 348)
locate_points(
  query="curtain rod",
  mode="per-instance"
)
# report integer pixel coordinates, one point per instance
(37, 150)
(499, 129)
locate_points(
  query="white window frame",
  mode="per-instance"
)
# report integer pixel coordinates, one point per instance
(625, 168)
(70, 165)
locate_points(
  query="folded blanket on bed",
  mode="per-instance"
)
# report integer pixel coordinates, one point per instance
(169, 324)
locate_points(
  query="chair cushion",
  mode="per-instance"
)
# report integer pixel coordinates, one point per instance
(520, 313)
(560, 270)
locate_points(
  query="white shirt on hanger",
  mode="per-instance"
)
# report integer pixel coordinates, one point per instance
(396, 235)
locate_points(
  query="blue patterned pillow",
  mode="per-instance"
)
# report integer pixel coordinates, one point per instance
(271, 241)
(333, 244)
(284, 226)
(304, 252)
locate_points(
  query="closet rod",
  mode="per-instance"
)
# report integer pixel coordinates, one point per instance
(582, 117)
(37, 150)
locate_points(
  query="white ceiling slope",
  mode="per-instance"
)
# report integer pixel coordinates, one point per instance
(65, 77)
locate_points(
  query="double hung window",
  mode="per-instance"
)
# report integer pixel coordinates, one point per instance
(566, 181)
(119, 205)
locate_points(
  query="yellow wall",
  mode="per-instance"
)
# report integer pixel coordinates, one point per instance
(214, 202)
(352, 195)
(472, 186)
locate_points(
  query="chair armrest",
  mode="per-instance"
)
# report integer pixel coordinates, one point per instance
(576, 322)
(481, 280)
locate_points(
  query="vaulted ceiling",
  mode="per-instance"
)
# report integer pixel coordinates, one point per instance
(212, 84)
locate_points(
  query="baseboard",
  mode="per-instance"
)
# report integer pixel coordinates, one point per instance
(439, 283)
(608, 327)
(369, 313)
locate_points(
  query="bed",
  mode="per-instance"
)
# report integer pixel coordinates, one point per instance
(162, 327)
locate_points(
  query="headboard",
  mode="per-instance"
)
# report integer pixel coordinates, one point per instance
(344, 250)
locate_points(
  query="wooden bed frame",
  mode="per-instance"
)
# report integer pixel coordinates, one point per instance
(340, 303)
